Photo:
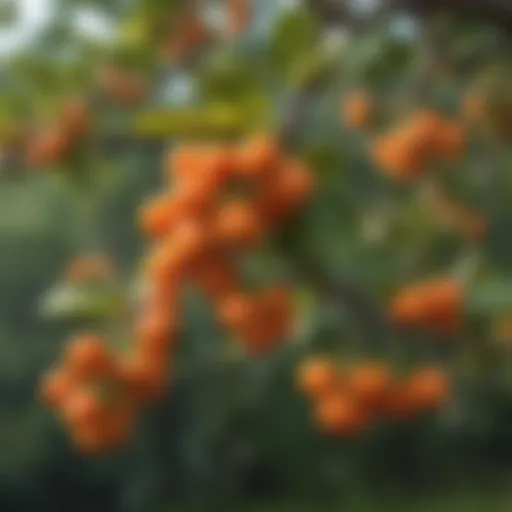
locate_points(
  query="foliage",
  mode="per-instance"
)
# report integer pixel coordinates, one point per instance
(233, 427)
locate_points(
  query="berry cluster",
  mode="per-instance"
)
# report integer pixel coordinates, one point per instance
(222, 202)
(347, 400)
(409, 149)
(86, 391)
(434, 305)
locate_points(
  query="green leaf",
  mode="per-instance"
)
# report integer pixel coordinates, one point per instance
(214, 120)
(490, 297)
(65, 301)
(294, 35)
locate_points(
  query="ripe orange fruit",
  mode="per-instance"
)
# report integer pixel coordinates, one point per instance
(213, 164)
(182, 162)
(160, 215)
(197, 197)
(177, 254)
(238, 224)
(317, 377)
(144, 377)
(56, 386)
(370, 383)
(155, 331)
(428, 388)
(339, 413)
(89, 439)
(83, 407)
(435, 304)
(397, 156)
(192, 240)
(257, 157)
(87, 355)
(236, 311)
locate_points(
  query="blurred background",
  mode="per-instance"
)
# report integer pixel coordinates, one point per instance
(233, 431)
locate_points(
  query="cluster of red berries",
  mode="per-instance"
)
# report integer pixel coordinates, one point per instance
(347, 400)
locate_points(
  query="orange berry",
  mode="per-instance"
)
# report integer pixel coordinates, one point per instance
(238, 224)
(397, 157)
(197, 197)
(291, 186)
(340, 414)
(317, 377)
(155, 331)
(177, 254)
(357, 110)
(192, 241)
(161, 296)
(200, 163)
(370, 383)
(160, 215)
(56, 386)
(144, 377)
(428, 388)
(236, 311)
(435, 304)
(83, 407)
(87, 355)
(257, 157)
(89, 439)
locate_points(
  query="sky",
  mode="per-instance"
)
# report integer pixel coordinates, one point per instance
(32, 15)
